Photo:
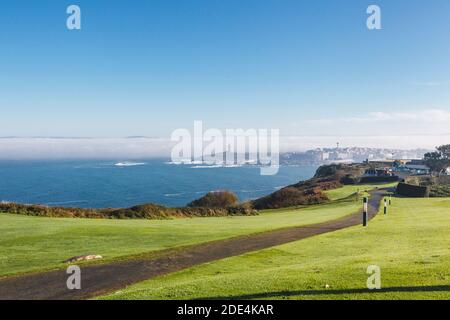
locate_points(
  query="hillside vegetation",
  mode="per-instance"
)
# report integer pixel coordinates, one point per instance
(145, 211)
(312, 191)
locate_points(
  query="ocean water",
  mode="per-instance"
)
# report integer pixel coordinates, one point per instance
(113, 184)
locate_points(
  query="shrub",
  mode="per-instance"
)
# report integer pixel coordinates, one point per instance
(440, 191)
(145, 211)
(379, 179)
(350, 179)
(409, 190)
(216, 199)
(326, 171)
(290, 197)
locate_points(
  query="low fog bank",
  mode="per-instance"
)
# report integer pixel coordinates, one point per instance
(15, 148)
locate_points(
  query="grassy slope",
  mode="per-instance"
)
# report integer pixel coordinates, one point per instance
(411, 245)
(36, 243)
(348, 190)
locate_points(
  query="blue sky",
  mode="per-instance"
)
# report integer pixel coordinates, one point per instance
(149, 67)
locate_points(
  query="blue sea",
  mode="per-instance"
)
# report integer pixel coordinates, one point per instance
(114, 184)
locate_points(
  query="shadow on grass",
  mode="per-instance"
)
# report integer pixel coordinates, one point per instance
(330, 292)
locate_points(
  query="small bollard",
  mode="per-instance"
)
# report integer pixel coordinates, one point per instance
(385, 206)
(365, 216)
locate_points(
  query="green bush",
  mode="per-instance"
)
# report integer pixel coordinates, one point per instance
(216, 199)
(350, 179)
(146, 211)
(290, 197)
(440, 191)
(409, 190)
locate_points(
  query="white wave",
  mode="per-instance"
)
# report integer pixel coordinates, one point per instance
(129, 164)
(212, 166)
(65, 202)
(185, 162)
(208, 166)
(174, 194)
(177, 162)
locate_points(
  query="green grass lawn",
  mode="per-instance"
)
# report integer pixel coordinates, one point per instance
(36, 243)
(348, 190)
(411, 245)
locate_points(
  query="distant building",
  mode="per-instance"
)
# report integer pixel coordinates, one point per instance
(415, 169)
(378, 173)
(382, 163)
(379, 157)
(416, 162)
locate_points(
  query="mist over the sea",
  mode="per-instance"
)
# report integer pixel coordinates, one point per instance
(18, 148)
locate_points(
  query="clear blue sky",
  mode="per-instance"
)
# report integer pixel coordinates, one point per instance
(149, 67)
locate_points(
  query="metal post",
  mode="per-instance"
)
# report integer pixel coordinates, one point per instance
(385, 206)
(365, 216)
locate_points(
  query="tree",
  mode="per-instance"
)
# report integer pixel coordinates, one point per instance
(444, 151)
(397, 163)
(439, 160)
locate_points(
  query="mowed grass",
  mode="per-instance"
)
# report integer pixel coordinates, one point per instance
(349, 190)
(29, 244)
(411, 245)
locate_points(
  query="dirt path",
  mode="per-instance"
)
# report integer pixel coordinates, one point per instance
(105, 278)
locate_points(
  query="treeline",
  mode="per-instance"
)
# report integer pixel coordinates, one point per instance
(439, 160)
(146, 211)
